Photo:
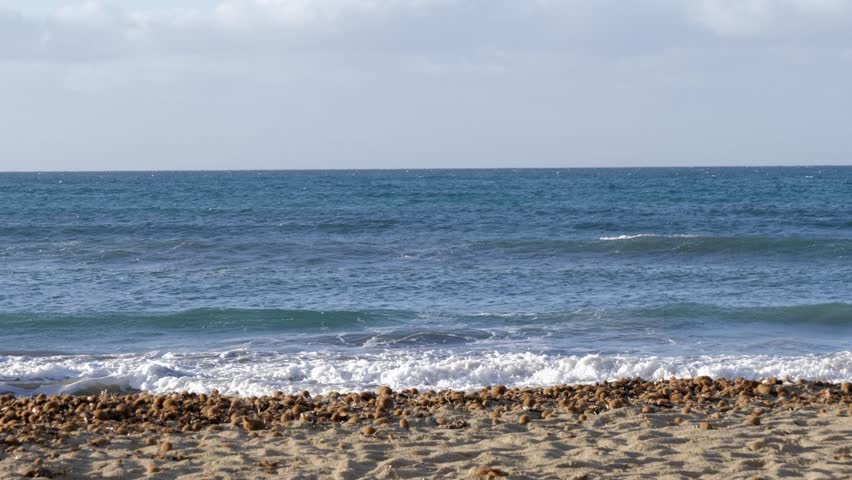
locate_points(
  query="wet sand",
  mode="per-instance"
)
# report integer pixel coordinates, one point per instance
(688, 428)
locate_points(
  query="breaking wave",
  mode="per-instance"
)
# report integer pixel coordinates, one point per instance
(246, 373)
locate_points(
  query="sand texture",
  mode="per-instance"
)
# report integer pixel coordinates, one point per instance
(691, 428)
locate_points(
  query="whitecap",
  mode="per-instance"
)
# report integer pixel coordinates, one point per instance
(255, 373)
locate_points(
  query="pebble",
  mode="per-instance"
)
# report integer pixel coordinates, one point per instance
(763, 389)
(99, 442)
(486, 472)
(186, 412)
(252, 425)
(385, 402)
(753, 420)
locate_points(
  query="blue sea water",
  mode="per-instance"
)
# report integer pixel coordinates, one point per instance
(252, 282)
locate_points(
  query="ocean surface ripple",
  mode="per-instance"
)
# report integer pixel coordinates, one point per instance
(252, 282)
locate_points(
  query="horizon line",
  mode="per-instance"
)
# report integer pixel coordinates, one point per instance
(610, 167)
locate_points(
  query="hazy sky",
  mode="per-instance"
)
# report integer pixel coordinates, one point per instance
(198, 84)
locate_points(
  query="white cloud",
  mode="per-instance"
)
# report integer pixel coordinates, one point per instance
(90, 12)
(382, 83)
(296, 13)
(95, 30)
(753, 17)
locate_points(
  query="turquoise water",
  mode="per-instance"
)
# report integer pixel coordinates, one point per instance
(252, 282)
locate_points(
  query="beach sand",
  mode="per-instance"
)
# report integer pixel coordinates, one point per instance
(691, 428)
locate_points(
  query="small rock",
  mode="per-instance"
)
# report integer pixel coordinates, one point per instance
(763, 389)
(253, 424)
(486, 472)
(456, 424)
(37, 471)
(99, 442)
(166, 447)
(753, 420)
(267, 464)
(385, 402)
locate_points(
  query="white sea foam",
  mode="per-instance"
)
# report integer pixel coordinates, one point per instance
(248, 373)
(642, 235)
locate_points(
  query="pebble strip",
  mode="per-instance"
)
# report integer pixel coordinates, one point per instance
(46, 420)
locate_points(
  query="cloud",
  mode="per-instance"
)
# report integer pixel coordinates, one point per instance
(97, 30)
(756, 17)
(383, 83)
(19, 37)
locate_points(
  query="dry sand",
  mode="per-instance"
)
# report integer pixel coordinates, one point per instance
(805, 435)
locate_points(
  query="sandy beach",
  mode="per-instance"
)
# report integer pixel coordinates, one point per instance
(692, 428)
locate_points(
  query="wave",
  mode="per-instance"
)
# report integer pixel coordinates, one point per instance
(836, 313)
(247, 373)
(643, 235)
(210, 319)
(418, 323)
(681, 244)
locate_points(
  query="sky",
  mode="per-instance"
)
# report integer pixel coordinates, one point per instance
(292, 84)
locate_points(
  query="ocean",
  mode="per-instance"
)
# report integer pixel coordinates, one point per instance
(253, 282)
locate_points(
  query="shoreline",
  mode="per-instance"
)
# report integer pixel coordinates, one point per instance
(618, 425)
